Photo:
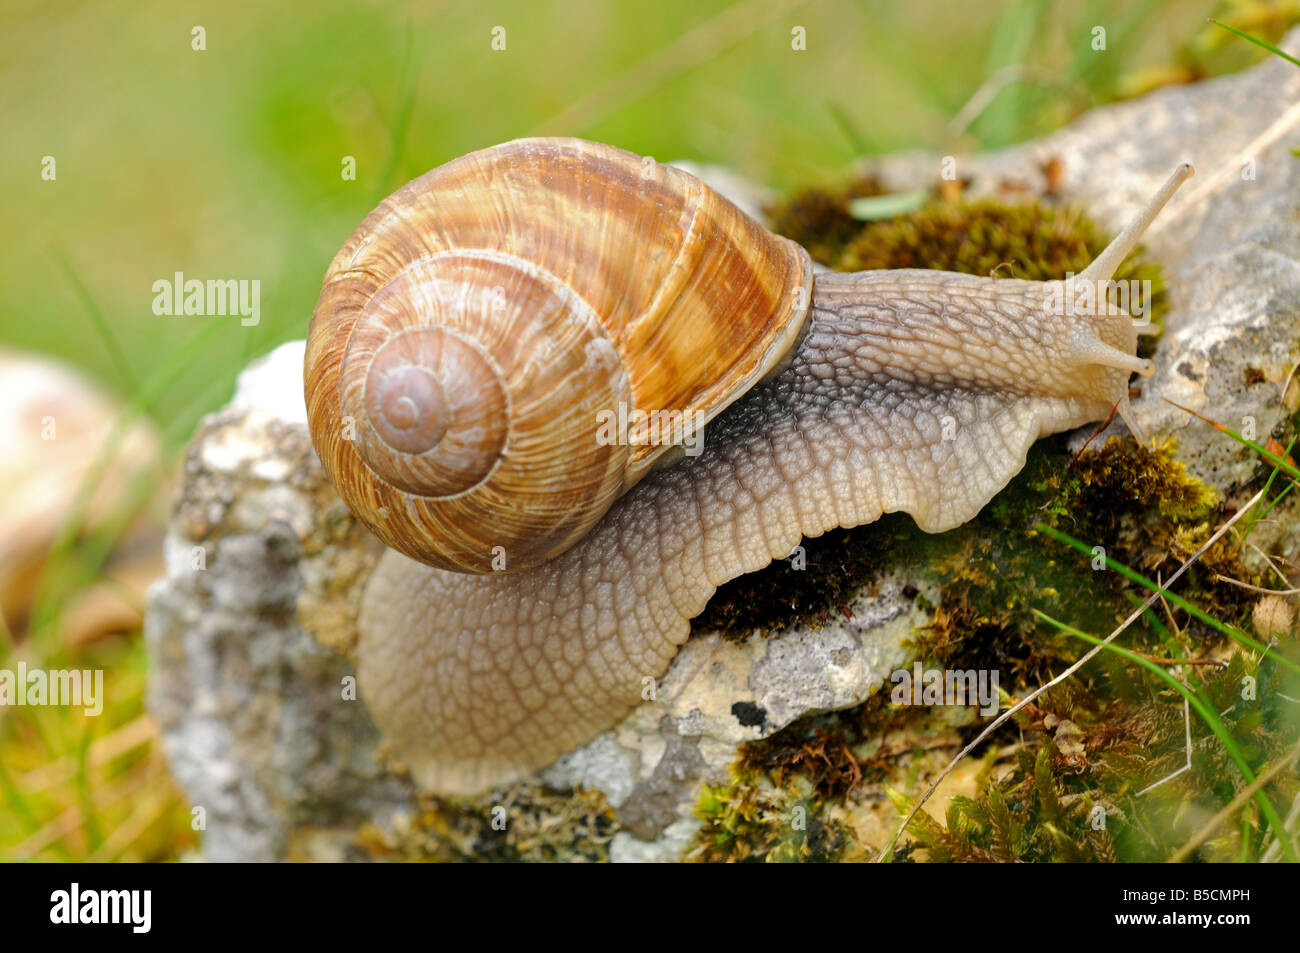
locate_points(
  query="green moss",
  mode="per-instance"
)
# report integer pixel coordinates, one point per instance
(1093, 802)
(819, 219)
(524, 822)
(1028, 818)
(1030, 240)
(1143, 507)
(753, 820)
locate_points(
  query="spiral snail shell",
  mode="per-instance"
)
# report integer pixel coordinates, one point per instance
(477, 324)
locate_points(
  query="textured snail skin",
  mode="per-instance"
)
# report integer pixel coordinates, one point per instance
(913, 391)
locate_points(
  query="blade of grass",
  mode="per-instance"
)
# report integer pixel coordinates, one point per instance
(1230, 631)
(1272, 458)
(140, 731)
(879, 207)
(83, 565)
(90, 819)
(1257, 516)
(401, 120)
(850, 130)
(97, 319)
(251, 336)
(1207, 713)
(1100, 70)
(148, 811)
(892, 36)
(1264, 44)
(693, 48)
(17, 803)
(180, 428)
(1269, 854)
(1003, 118)
(1172, 645)
(1274, 502)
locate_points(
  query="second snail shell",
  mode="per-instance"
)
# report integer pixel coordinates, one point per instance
(476, 324)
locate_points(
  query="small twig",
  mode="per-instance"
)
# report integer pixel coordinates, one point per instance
(1268, 559)
(997, 722)
(1233, 806)
(1095, 434)
(1270, 856)
(1245, 585)
(1287, 383)
(1181, 661)
(980, 100)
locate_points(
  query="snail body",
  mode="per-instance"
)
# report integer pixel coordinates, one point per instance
(831, 401)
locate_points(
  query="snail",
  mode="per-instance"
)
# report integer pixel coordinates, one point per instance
(479, 327)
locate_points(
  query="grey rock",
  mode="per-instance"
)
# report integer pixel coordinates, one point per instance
(251, 704)
(627, 849)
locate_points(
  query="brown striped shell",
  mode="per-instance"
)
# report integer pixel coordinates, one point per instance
(474, 327)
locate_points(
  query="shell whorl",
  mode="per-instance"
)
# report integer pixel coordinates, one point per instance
(433, 406)
(476, 325)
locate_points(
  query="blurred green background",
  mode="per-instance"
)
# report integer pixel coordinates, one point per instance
(226, 162)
